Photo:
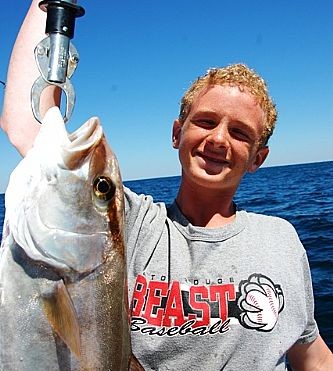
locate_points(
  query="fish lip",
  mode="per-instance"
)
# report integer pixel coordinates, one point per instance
(81, 144)
(86, 136)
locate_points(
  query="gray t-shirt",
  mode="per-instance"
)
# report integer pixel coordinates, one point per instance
(232, 298)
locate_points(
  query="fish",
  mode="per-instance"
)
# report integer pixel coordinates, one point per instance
(63, 283)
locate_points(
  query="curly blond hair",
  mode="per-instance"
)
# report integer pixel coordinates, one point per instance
(235, 75)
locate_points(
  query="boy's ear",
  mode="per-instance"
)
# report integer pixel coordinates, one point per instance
(259, 159)
(176, 132)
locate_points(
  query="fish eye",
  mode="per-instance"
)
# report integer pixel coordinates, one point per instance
(103, 187)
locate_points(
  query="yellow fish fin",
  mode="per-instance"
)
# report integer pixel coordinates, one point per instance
(60, 312)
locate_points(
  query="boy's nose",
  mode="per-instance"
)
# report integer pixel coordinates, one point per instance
(219, 136)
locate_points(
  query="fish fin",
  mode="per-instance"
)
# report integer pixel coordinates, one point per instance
(134, 364)
(60, 312)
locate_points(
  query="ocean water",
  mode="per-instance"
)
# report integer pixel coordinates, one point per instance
(301, 194)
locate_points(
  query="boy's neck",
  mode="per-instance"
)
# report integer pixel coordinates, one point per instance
(206, 208)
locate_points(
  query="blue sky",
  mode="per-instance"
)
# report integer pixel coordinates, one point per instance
(138, 58)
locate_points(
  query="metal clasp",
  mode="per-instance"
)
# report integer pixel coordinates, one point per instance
(65, 66)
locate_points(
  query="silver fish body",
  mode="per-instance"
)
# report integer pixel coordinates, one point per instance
(63, 289)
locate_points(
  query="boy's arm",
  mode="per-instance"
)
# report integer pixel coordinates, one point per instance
(314, 356)
(17, 119)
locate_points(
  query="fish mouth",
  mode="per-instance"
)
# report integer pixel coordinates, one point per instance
(81, 143)
(86, 135)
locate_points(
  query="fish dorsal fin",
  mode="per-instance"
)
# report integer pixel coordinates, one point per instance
(60, 312)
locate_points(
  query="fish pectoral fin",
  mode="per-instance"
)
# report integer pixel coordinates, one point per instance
(60, 312)
(134, 364)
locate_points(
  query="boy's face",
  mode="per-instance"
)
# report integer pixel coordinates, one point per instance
(218, 142)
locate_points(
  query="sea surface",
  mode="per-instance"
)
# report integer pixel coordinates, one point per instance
(302, 194)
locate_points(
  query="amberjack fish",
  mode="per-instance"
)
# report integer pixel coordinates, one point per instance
(63, 287)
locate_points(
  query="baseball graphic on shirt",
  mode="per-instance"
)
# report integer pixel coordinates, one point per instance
(260, 303)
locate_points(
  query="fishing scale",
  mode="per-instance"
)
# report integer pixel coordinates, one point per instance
(56, 56)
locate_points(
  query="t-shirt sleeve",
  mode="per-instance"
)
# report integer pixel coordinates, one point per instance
(142, 219)
(311, 331)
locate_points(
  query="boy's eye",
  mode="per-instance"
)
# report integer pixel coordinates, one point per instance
(241, 134)
(204, 122)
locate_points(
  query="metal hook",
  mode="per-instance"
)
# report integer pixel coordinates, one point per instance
(39, 85)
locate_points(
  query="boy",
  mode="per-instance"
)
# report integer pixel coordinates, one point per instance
(211, 287)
